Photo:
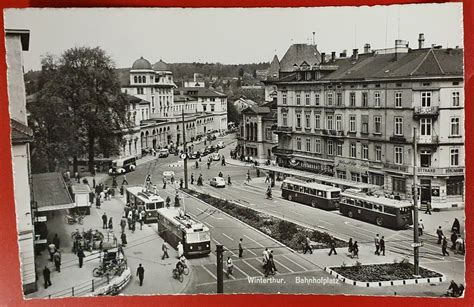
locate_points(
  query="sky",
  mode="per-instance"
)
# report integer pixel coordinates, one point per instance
(230, 36)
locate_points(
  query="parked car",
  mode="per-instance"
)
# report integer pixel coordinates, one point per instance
(220, 144)
(163, 153)
(194, 155)
(217, 182)
(216, 157)
(211, 148)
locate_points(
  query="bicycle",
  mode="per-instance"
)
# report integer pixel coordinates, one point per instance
(177, 275)
(312, 246)
(105, 270)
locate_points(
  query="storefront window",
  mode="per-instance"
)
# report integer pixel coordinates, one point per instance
(454, 186)
(398, 185)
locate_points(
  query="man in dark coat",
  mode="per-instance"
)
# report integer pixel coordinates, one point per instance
(382, 245)
(440, 234)
(57, 261)
(140, 273)
(46, 277)
(444, 247)
(332, 244)
(454, 238)
(241, 248)
(56, 241)
(104, 221)
(123, 237)
(80, 255)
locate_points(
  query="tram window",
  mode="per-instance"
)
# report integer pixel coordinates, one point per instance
(350, 201)
(306, 190)
(367, 205)
(324, 194)
(150, 206)
(334, 194)
(405, 210)
(378, 207)
(390, 210)
(358, 203)
(319, 193)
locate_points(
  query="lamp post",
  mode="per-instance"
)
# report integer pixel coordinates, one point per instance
(185, 153)
(415, 210)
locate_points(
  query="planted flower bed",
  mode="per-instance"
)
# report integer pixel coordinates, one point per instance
(382, 272)
(288, 233)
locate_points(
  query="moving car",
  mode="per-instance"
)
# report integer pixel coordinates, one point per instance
(217, 182)
(163, 153)
(194, 155)
(216, 157)
(220, 144)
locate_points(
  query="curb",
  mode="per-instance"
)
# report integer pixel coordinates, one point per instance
(386, 283)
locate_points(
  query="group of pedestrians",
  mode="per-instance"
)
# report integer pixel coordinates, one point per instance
(105, 224)
(55, 258)
(457, 242)
(268, 262)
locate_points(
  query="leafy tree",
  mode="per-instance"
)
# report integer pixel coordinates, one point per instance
(83, 87)
(232, 113)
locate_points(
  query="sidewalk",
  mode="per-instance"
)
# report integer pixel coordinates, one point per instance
(444, 219)
(144, 246)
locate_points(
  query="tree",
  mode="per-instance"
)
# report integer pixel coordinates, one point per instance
(232, 113)
(84, 87)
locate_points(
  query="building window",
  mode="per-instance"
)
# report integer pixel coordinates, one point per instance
(425, 158)
(140, 91)
(353, 153)
(316, 99)
(398, 155)
(377, 99)
(308, 145)
(398, 99)
(284, 119)
(426, 99)
(377, 124)
(425, 126)
(317, 121)
(339, 149)
(455, 99)
(454, 186)
(284, 98)
(352, 99)
(378, 153)
(308, 120)
(377, 179)
(365, 124)
(212, 108)
(455, 126)
(355, 176)
(365, 152)
(398, 185)
(298, 120)
(308, 98)
(339, 99)
(329, 122)
(454, 157)
(329, 102)
(341, 174)
(268, 134)
(298, 98)
(398, 125)
(298, 143)
(317, 146)
(352, 123)
(339, 122)
(330, 147)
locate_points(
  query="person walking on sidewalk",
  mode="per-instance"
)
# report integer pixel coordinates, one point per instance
(80, 255)
(56, 241)
(180, 249)
(428, 208)
(332, 244)
(248, 176)
(57, 261)
(97, 201)
(456, 226)
(377, 245)
(141, 218)
(192, 178)
(382, 245)
(421, 226)
(46, 277)
(164, 248)
(307, 246)
(141, 274)
(104, 221)
(444, 247)
(111, 225)
(267, 179)
(229, 182)
(164, 183)
(52, 250)
(123, 223)
(258, 172)
(454, 238)
(351, 246)
(440, 234)
(241, 248)
(123, 237)
(124, 181)
(355, 250)
(168, 201)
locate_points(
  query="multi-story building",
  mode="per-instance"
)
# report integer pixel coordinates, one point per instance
(353, 116)
(17, 41)
(156, 108)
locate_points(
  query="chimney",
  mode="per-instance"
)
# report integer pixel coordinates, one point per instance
(343, 54)
(421, 40)
(323, 57)
(355, 54)
(333, 56)
(367, 48)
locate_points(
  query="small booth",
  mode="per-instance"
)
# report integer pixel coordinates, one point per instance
(81, 196)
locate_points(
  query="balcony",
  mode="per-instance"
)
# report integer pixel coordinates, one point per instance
(428, 140)
(282, 151)
(332, 133)
(398, 139)
(282, 129)
(426, 112)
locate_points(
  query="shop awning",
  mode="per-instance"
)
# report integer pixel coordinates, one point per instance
(50, 192)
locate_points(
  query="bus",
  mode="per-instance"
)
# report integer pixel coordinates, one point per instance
(175, 226)
(385, 212)
(311, 193)
(145, 200)
(123, 165)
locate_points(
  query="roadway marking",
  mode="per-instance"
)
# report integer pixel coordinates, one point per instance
(236, 267)
(209, 272)
(228, 250)
(284, 266)
(259, 272)
(254, 241)
(227, 237)
(210, 213)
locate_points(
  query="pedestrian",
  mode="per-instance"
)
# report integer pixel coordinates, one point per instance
(377, 245)
(382, 245)
(123, 223)
(258, 172)
(168, 201)
(350, 246)
(428, 208)
(196, 164)
(444, 247)
(208, 164)
(181, 183)
(140, 273)
(456, 226)
(111, 226)
(93, 182)
(221, 175)
(52, 250)
(454, 238)
(267, 179)
(97, 201)
(57, 261)
(229, 182)
(176, 200)
(56, 241)
(172, 180)
(141, 216)
(248, 176)
(104, 221)
(46, 277)
(164, 183)
(421, 226)
(440, 234)
(124, 181)
(122, 190)
(223, 161)
(272, 263)
(241, 248)
(78, 178)
(355, 250)
(80, 255)
(68, 175)
(265, 257)
(133, 225)
(332, 244)
(123, 237)
(164, 248)
(307, 246)
(180, 249)
(192, 178)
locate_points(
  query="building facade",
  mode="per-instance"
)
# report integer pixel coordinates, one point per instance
(17, 41)
(352, 117)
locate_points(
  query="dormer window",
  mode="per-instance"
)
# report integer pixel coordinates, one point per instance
(135, 79)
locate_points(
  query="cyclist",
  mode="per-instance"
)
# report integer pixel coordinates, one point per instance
(230, 266)
(181, 265)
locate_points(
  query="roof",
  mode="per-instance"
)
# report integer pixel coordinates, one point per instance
(312, 185)
(145, 195)
(161, 66)
(50, 192)
(80, 189)
(299, 54)
(141, 63)
(273, 70)
(182, 98)
(185, 223)
(256, 110)
(201, 92)
(24, 37)
(20, 133)
(377, 199)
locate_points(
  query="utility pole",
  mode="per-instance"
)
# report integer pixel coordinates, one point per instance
(185, 153)
(220, 268)
(416, 243)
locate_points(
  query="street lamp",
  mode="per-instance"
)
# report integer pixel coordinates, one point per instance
(416, 244)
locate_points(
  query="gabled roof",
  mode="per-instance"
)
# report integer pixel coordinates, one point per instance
(297, 54)
(20, 132)
(50, 192)
(201, 92)
(256, 110)
(274, 69)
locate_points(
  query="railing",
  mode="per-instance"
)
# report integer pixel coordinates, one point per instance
(82, 288)
(426, 111)
(282, 151)
(433, 139)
